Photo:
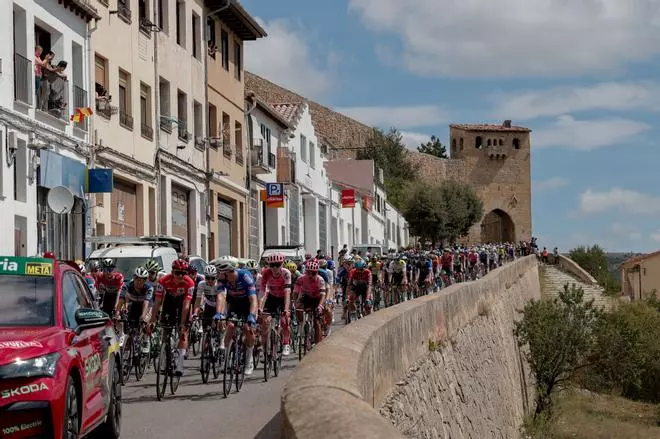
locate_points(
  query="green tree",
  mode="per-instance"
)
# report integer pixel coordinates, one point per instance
(559, 336)
(462, 209)
(433, 147)
(594, 260)
(424, 211)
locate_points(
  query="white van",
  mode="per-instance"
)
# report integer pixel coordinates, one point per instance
(129, 257)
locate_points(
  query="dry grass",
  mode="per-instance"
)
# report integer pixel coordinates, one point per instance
(582, 415)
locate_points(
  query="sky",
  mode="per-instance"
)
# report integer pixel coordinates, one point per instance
(583, 75)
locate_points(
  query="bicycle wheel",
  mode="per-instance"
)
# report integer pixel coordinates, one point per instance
(268, 357)
(241, 357)
(126, 359)
(195, 339)
(218, 355)
(276, 349)
(230, 368)
(141, 358)
(162, 370)
(301, 340)
(206, 357)
(174, 353)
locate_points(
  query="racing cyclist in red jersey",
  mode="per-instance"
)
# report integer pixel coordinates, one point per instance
(108, 284)
(174, 291)
(310, 293)
(446, 265)
(276, 298)
(359, 283)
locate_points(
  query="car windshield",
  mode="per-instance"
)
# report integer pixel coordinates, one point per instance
(127, 266)
(27, 301)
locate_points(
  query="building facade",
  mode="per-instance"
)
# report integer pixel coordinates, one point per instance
(640, 276)
(41, 146)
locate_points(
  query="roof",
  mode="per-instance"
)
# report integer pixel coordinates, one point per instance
(236, 18)
(638, 259)
(290, 112)
(489, 127)
(81, 8)
(268, 109)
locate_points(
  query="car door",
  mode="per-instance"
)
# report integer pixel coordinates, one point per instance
(87, 346)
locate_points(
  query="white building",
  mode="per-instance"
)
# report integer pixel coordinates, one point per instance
(41, 147)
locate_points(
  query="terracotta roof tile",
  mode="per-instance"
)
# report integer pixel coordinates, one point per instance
(637, 259)
(488, 127)
(289, 112)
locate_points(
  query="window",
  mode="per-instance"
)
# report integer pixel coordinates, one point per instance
(125, 117)
(181, 23)
(238, 62)
(238, 139)
(226, 135)
(312, 155)
(101, 85)
(124, 10)
(516, 144)
(145, 112)
(210, 34)
(143, 13)
(74, 297)
(265, 133)
(164, 95)
(198, 129)
(460, 143)
(303, 148)
(224, 49)
(163, 14)
(213, 123)
(478, 142)
(182, 114)
(195, 36)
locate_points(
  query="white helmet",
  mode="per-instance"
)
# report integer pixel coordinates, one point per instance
(210, 271)
(224, 266)
(141, 273)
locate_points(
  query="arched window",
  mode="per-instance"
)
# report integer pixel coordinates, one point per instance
(460, 143)
(453, 145)
(478, 142)
(516, 144)
(501, 142)
(488, 143)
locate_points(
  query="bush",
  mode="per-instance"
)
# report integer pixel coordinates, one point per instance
(594, 261)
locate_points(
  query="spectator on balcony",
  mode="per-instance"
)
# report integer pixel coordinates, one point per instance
(53, 85)
(42, 63)
(38, 65)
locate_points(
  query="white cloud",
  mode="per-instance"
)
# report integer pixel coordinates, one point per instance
(616, 96)
(412, 140)
(286, 58)
(656, 235)
(549, 184)
(403, 117)
(626, 231)
(516, 37)
(585, 135)
(624, 200)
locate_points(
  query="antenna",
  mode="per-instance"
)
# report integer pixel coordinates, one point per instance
(60, 199)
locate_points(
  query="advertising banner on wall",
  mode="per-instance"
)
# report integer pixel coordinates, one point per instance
(348, 198)
(367, 203)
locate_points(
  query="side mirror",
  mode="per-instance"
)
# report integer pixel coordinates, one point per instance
(88, 318)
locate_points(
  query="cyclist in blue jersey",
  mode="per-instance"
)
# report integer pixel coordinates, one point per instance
(237, 294)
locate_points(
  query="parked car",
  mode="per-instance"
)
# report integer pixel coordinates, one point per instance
(59, 355)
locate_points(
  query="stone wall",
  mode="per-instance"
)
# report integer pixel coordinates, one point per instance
(444, 365)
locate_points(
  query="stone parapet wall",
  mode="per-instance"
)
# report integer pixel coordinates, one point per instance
(460, 338)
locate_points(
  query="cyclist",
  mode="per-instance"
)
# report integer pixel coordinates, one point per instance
(155, 272)
(310, 291)
(207, 298)
(276, 291)
(174, 292)
(359, 284)
(425, 277)
(446, 265)
(398, 277)
(328, 278)
(108, 283)
(238, 296)
(136, 295)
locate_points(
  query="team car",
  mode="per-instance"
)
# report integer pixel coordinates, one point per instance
(59, 355)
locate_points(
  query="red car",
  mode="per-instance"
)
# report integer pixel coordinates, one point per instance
(59, 355)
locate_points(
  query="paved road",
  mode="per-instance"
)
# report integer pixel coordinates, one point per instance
(200, 410)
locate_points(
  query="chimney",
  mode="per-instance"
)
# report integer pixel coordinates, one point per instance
(507, 123)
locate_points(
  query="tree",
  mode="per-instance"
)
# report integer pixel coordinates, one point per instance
(594, 260)
(433, 147)
(559, 336)
(442, 212)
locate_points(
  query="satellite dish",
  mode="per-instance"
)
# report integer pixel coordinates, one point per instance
(60, 199)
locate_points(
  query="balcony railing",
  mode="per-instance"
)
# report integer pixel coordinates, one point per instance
(166, 125)
(79, 101)
(226, 149)
(239, 154)
(23, 79)
(125, 120)
(124, 11)
(271, 160)
(103, 107)
(147, 131)
(184, 135)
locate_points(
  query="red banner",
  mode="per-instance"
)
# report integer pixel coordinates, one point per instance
(348, 198)
(367, 203)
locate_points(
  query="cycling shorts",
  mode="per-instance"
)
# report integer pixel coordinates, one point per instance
(274, 305)
(308, 302)
(397, 278)
(109, 301)
(172, 309)
(135, 311)
(240, 306)
(207, 316)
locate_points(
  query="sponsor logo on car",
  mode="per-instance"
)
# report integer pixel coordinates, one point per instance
(92, 364)
(20, 344)
(22, 427)
(23, 390)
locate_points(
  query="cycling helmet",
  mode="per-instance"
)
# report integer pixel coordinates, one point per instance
(331, 264)
(82, 268)
(308, 256)
(275, 258)
(152, 266)
(94, 265)
(252, 265)
(224, 266)
(312, 265)
(360, 264)
(180, 265)
(109, 263)
(323, 263)
(348, 258)
(192, 269)
(291, 266)
(141, 273)
(210, 271)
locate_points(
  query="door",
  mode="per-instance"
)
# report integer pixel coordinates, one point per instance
(225, 216)
(124, 209)
(88, 348)
(180, 198)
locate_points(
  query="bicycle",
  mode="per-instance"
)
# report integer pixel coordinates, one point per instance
(272, 347)
(132, 351)
(235, 358)
(195, 335)
(166, 362)
(308, 334)
(211, 354)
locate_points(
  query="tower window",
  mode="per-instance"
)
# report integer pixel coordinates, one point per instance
(489, 142)
(478, 142)
(516, 144)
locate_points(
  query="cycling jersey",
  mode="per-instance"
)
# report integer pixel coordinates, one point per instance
(208, 294)
(243, 287)
(277, 285)
(446, 261)
(324, 274)
(398, 267)
(359, 280)
(135, 298)
(312, 286)
(473, 257)
(108, 288)
(174, 292)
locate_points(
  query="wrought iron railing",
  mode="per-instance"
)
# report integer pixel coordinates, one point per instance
(239, 155)
(23, 79)
(125, 120)
(271, 160)
(147, 131)
(166, 125)
(124, 11)
(79, 101)
(226, 150)
(184, 136)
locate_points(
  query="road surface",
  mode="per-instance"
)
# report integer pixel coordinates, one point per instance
(200, 411)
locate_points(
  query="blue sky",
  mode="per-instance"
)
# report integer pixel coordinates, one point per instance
(583, 75)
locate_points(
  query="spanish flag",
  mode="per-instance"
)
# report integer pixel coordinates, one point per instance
(81, 113)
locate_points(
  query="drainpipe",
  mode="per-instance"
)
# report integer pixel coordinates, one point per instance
(90, 208)
(157, 132)
(253, 105)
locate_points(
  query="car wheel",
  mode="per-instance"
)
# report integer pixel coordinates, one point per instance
(112, 425)
(71, 412)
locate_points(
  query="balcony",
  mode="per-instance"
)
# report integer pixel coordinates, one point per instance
(239, 155)
(53, 97)
(124, 11)
(257, 163)
(103, 106)
(226, 149)
(271, 160)
(80, 101)
(165, 124)
(147, 132)
(125, 120)
(184, 135)
(23, 79)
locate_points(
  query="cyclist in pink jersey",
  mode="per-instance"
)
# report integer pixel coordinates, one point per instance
(310, 294)
(276, 298)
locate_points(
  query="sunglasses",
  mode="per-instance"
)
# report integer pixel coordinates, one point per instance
(108, 270)
(276, 265)
(210, 278)
(179, 273)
